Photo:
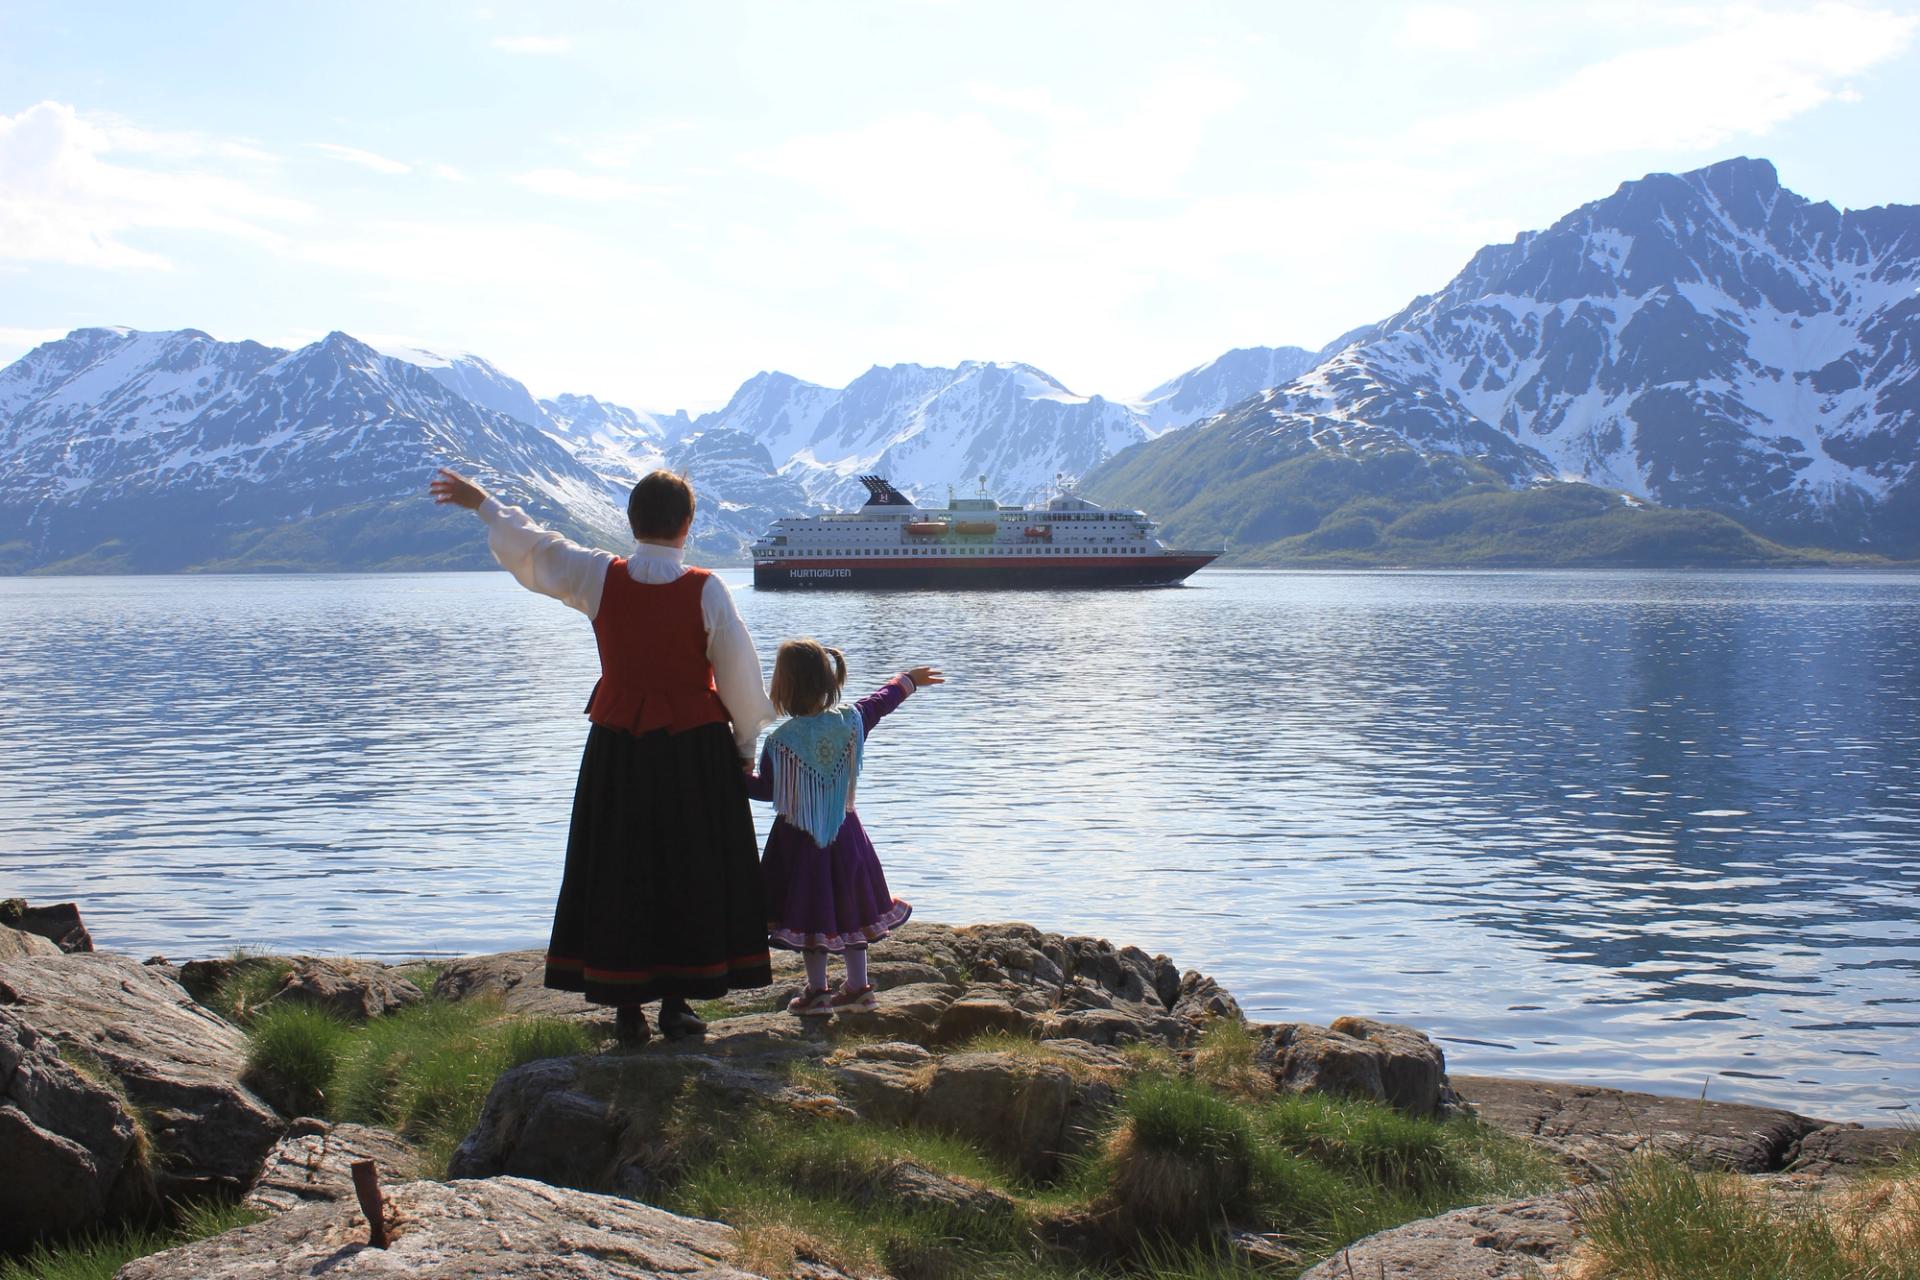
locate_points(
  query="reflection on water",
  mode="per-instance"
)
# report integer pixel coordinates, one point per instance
(1654, 830)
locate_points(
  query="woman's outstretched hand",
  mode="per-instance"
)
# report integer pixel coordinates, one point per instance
(451, 486)
(924, 676)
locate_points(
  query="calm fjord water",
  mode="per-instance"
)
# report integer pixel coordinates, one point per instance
(1645, 829)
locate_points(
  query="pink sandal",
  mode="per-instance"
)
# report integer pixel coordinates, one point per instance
(812, 1002)
(861, 1001)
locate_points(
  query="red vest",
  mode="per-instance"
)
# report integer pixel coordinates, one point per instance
(654, 672)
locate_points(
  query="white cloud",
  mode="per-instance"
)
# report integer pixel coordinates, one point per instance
(482, 256)
(1449, 28)
(1745, 72)
(535, 45)
(65, 198)
(365, 159)
(568, 184)
(447, 173)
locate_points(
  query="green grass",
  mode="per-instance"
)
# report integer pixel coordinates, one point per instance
(1181, 1158)
(810, 1190)
(98, 1256)
(1187, 1157)
(292, 1054)
(1660, 1220)
(252, 983)
(424, 1070)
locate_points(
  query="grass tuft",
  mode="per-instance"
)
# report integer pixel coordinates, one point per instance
(99, 1255)
(1182, 1159)
(254, 981)
(1660, 1220)
(292, 1054)
(1225, 1060)
(425, 1070)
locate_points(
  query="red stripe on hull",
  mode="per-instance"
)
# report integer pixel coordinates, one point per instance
(967, 572)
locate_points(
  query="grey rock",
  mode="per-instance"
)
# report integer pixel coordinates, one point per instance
(497, 1229)
(515, 978)
(914, 1186)
(1122, 1024)
(59, 924)
(1014, 1106)
(1357, 1058)
(355, 990)
(1512, 1241)
(178, 1063)
(1846, 1148)
(589, 1122)
(1596, 1129)
(1199, 998)
(1260, 1250)
(984, 1008)
(887, 1088)
(17, 944)
(314, 1161)
(1413, 1071)
(69, 1144)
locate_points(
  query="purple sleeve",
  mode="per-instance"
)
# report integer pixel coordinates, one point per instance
(760, 781)
(882, 700)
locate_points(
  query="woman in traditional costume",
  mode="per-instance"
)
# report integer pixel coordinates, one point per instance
(661, 898)
(826, 893)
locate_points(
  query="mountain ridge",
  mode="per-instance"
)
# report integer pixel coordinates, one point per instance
(1703, 341)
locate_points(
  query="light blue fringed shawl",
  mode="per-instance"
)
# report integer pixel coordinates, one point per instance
(816, 762)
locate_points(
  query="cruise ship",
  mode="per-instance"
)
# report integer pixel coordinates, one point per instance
(892, 542)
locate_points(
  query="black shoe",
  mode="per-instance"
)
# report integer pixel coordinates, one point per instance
(630, 1026)
(678, 1020)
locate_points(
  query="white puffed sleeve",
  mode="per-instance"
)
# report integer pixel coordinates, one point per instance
(544, 561)
(736, 667)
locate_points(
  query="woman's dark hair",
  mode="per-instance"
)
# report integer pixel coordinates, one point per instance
(660, 506)
(807, 677)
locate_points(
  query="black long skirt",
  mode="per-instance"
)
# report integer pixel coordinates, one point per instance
(662, 893)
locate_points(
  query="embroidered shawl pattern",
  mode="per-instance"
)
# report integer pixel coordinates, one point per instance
(816, 763)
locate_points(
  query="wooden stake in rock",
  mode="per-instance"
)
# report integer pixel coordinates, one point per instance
(366, 1185)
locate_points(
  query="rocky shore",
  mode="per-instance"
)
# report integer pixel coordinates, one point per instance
(127, 1087)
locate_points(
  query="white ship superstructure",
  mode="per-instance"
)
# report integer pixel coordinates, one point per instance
(971, 542)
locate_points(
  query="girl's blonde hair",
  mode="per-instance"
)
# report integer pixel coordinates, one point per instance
(807, 677)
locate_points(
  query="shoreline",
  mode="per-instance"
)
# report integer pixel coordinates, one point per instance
(1060, 1102)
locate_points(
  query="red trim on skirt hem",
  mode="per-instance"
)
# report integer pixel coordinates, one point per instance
(592, 974)
(794, 940)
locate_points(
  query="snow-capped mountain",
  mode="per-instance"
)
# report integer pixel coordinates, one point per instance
(1222, 382)
(926, 428)
(1702, 340)
(738, 492)
(164, 450)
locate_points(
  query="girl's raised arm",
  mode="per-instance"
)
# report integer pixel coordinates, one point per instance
(877, 704)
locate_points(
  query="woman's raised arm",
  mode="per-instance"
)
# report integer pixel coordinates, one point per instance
(539, 559)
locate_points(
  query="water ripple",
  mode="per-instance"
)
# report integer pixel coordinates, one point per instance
(1641, 829)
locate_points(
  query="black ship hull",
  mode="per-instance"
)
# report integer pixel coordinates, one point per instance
(975, 573)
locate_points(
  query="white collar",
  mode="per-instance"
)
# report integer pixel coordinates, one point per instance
(654, 551)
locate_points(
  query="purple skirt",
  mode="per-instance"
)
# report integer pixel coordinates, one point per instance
(827, 899)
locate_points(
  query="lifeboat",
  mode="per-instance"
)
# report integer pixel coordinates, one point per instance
(975, 526)
(1039, 531)
(926, 526)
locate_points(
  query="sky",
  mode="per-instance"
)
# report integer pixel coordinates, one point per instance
(650, 202)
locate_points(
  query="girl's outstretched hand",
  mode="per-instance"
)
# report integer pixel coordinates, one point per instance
(924, 676)
(451, 486)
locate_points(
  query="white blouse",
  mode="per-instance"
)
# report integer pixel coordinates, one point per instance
(545, 561)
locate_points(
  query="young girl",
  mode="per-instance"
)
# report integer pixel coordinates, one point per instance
(825, 889)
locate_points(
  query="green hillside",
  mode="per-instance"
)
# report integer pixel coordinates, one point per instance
(1400, 507)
